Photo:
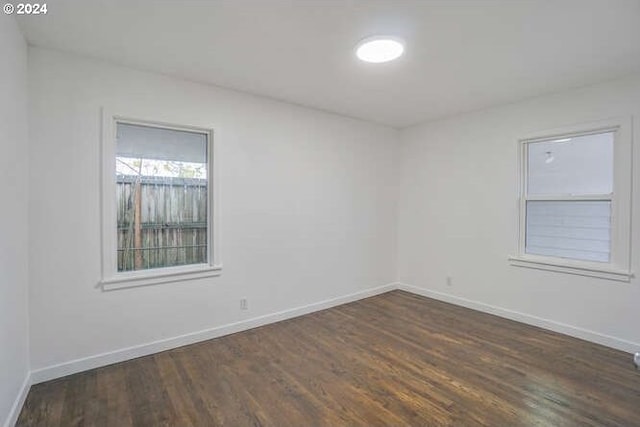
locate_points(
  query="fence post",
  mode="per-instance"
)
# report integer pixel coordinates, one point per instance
(137, 225)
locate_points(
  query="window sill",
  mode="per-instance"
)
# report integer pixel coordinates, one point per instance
(157, 276)
(568, 267)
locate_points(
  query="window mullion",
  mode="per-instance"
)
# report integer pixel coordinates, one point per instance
(569, 197)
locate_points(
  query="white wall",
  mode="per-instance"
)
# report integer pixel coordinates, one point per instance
(308, 208)
(14, 359)
(458, 217)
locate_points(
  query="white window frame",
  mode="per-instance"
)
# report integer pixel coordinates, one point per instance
(112, 279)
(618, 268)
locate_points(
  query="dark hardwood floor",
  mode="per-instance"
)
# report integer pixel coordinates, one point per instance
(394, 359)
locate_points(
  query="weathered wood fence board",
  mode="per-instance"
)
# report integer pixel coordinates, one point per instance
(173, 222)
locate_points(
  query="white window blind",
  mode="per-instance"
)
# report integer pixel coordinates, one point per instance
(157, 143)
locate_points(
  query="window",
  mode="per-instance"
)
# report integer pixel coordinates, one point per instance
(158, 199)
(575, 201)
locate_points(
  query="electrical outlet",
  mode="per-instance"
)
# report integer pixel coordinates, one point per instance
(244, 304)
(449, 281)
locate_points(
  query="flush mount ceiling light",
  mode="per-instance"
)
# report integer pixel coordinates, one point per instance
(380, 49)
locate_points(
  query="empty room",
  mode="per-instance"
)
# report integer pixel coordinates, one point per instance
(320, 213)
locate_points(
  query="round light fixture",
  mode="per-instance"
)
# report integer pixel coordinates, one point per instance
(380, 49)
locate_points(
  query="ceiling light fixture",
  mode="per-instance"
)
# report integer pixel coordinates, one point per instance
(562, 140)
(380, 49)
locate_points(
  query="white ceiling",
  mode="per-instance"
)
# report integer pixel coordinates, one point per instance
(461, 55)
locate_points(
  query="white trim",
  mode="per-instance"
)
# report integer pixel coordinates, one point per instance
(578, 129)
(620, 252)
(603, 271)
(14, 413)
(164, 275)
(110, 278)
(121, 355)
(96, 361)
(563, 328)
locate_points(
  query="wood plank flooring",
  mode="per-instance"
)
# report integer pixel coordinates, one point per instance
(394, 359)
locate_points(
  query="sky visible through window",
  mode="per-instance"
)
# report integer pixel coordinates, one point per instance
(160, 168)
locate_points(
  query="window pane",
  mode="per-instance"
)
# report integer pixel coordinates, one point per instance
(161, 196)
(569, 229)
(578, 165)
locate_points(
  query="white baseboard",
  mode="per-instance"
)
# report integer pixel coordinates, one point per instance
(19, 402)
(104, 359)
(585, 334)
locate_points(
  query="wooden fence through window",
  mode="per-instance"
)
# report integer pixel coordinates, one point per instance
(162, 221)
